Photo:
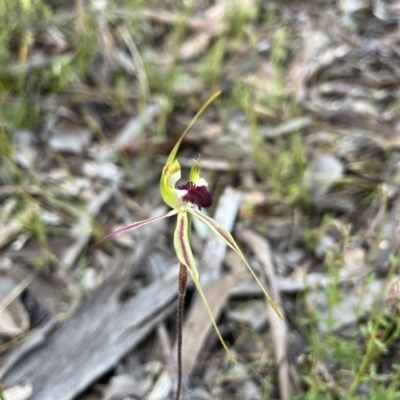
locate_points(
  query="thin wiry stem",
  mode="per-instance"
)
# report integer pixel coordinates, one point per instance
(179, 323)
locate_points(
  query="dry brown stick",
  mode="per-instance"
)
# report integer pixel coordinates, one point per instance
(212, 22)
(260, 247)
(11, 227)
(10, 297)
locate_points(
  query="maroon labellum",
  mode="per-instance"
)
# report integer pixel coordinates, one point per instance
(198, 195)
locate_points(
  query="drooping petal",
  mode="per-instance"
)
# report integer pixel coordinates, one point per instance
(133, 226)
(224, 235)
(182, 245)
(185, 256)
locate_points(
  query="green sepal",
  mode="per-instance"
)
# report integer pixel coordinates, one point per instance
(185, 256)
(225, 236)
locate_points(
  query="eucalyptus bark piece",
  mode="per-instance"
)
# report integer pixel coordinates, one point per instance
(85, 347)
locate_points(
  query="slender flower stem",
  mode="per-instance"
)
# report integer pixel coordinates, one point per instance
(179, 323)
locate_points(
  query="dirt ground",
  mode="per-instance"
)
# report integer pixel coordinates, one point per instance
(301, 152)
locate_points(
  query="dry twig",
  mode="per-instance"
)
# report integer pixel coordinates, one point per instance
(261, 249)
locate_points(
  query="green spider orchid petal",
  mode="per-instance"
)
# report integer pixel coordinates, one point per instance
(194, 175)
(131, 227)
(185, 256)
(225, 236)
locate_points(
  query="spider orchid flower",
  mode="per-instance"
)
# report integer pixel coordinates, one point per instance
(183, 200)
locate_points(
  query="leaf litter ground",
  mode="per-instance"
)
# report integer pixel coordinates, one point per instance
(302, 156)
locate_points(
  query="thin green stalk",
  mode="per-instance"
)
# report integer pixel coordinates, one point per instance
(368, 357)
